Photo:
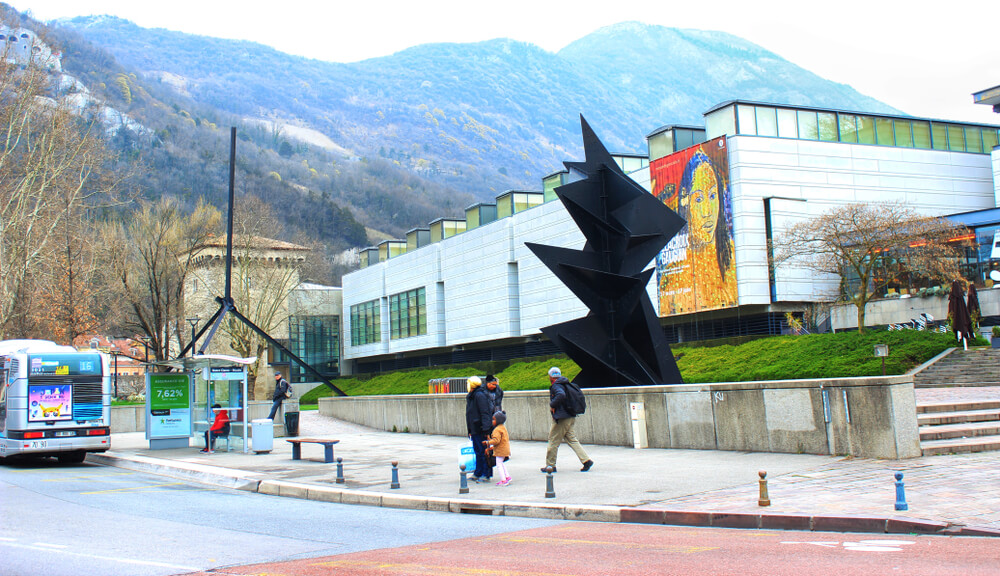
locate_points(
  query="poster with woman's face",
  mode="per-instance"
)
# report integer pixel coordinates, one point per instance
(697, 269)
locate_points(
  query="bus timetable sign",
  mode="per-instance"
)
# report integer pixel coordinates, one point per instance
(168, 405)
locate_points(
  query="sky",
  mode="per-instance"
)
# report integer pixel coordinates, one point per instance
(924, 58)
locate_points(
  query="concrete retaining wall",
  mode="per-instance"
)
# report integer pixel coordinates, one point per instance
(868, 417)
(133, 418)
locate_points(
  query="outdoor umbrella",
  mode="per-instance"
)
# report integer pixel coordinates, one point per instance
(961, 325)
(973, 305)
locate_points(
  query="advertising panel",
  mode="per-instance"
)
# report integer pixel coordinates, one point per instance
(169, 404)
(64, 365)
(50, 402)
(697, 269)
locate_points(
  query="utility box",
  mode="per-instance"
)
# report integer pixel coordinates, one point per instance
(263, 435)
(638, 412)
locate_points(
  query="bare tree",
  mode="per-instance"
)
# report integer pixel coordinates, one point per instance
(871, 246)
(150, 258)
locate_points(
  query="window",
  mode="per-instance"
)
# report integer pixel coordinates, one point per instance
(902, 130)
(989, 139)
(766, 123)
(956, 138)
(939, 136)
(407, 314)
(315, 339)
(827, 126)
(366, 323)
(866, 130)
(883, 132)
(921, 135)
(745, 117)
(973, 139)
(786, 124)
(848, 128)
(808, 129)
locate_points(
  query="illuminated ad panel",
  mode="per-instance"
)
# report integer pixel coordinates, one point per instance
(50, 402)
(697, 269)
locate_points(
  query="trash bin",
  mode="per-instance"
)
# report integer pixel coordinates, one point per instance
(262, 432)
(291, 423)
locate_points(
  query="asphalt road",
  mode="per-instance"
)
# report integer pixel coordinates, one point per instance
(89, 519)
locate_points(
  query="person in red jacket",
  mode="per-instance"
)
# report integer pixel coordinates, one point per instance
(220, 427)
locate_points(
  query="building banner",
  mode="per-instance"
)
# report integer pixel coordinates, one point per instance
(697, 269)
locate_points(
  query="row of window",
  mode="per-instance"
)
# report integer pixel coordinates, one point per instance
(407, 317)
(756, 120)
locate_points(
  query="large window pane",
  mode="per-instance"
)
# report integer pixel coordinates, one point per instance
(808, 128)
(866, 130)
(787, 127)
(973, 139)
(721, 122)
(410, 317)
(747, 119)
(903, 137)
(956, 138)
(989, 139)
(939, 136)
(660, 145)
(767, 125)
(848, 128)
(921, 135)
(883, 132)
(827, 126)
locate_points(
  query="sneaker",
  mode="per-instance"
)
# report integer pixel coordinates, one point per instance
(504, 482)
(587, 465)
(203, 451)
(545, 470)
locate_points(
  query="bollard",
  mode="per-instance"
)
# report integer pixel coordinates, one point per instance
(463, 486)
(900, 493)
(340, 470)
(550, 491)
(763, 499)
(395, 476)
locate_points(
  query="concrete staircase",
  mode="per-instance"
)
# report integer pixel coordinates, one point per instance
(954, 427)
(973, 367)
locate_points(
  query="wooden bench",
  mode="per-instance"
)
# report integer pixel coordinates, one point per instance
(326, 442)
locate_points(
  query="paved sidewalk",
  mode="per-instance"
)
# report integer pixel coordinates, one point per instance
(946, 494)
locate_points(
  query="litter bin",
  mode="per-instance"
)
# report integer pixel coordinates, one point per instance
(291, 423)
(262, 432)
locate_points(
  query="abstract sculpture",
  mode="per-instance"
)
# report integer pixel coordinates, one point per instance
(620, 341)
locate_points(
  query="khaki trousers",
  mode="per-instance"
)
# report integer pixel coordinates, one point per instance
(563, 430)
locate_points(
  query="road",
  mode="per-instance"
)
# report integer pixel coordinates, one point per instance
(88, 519)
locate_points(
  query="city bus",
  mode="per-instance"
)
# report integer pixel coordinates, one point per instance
(54, 401)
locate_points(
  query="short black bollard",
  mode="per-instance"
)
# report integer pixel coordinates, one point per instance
(900, 493)
(463, 486)
(763, 499)
(340, 470)
(395, 476)
(550, 491)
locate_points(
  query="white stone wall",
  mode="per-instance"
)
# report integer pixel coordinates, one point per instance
(807, 178)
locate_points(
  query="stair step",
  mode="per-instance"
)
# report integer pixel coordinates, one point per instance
(949, 383)
(972, 430)
(959, 445)
(958, 417)
(935, 407)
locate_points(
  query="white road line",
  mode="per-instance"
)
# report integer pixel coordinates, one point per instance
(108, 558)
(47, 545)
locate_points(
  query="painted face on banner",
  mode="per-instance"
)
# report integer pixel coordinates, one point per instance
(703, 204)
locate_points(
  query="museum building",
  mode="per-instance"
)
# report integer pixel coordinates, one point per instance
(467, 289)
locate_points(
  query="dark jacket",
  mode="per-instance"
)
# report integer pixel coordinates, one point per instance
(497, 394)
(558, 398)
(479, 410)
(280, 387)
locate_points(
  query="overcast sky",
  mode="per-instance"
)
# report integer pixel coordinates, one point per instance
(924, 58)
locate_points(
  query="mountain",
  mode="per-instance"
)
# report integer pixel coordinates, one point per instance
(479, 118)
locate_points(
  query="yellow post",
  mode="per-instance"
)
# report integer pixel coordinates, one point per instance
(764, 499)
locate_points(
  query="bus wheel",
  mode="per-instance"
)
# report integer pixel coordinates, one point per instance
(74, 457)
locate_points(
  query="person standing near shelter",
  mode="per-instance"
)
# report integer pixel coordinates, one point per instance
(281, 392)
(479, 421)
(563, 421)
(493, 385)
(499, 444)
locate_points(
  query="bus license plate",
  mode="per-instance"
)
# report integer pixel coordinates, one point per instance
(65, 434)
(39, 444)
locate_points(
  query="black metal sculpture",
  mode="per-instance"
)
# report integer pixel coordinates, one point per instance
(620, 341)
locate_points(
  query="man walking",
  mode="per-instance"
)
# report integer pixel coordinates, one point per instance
(280, 393)
(563, 421)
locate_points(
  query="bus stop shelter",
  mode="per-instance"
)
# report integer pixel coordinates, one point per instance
(179, 403)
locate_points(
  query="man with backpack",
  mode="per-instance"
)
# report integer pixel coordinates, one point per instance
(566, 402)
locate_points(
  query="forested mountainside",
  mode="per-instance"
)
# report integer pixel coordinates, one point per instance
(479, 118)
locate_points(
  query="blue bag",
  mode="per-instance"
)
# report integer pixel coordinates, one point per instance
(467, 456)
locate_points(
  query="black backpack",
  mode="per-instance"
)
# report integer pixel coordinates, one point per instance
(576, 403)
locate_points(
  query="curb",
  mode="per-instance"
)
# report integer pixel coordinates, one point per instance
(227, 478)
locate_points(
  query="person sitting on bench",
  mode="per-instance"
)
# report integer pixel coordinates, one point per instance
(219, 428)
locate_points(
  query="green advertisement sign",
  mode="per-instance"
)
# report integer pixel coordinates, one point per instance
(169, 391)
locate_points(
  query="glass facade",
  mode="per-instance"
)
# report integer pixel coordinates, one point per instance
(833, 126)
(510, 203)
(315, 339)
(550, 183)
(407, 314)
(366, 323)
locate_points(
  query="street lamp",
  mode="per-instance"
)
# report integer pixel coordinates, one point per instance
(145, 346)
(194, 323)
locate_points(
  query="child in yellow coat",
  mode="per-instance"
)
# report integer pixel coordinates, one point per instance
(499, 444)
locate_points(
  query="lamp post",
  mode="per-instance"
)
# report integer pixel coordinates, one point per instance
(194, 324)
(145, 346)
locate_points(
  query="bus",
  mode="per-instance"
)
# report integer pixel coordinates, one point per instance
(54, 401)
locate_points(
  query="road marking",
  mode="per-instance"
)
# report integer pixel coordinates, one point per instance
(571, 542)
(48, 545)
(412, 568)
(862, 545)
(108, 558)
(98, 477)
(134, 489)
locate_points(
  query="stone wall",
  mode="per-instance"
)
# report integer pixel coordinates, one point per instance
(863, 417)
